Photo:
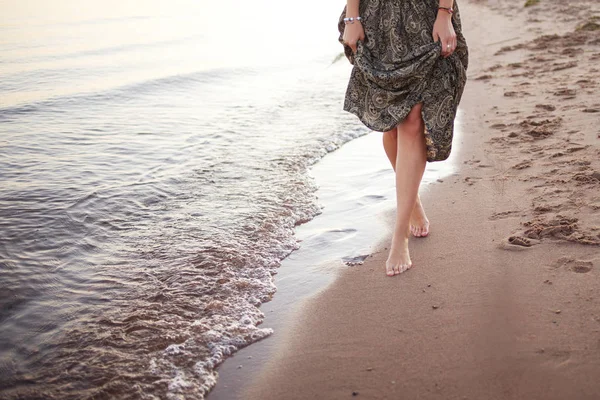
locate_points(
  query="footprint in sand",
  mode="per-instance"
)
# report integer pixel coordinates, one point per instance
(546, 208)
(586, 83)
(546, 107)
(517, 243)
(566, 92)
(583, 178)
(522, 165)
(520, 241)
(559, 227)
(577, 148)
(581, 267)
(540, 132)
(506, 49)
(503, 214)
(541, 129)
(572, 51)
(516, 94)
(562, 66)
(355, 260)
(571, 264)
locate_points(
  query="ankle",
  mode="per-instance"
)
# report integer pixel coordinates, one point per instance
(400, 240)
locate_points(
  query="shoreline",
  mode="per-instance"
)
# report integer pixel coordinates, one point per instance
(500, 302)
(349, 230)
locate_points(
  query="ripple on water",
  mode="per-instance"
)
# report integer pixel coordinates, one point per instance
(140, 233)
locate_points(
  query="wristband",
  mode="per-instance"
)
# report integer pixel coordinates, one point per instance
(449, 10)
(350, 20)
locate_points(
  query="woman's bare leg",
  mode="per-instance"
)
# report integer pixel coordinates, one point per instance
(410, 165)
(419, 224)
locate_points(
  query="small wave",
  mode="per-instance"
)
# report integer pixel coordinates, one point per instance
(62, 104)
(102, 52)
(157, 251)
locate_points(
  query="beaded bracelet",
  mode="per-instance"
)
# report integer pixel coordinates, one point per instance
(350, 20)
(449, 10)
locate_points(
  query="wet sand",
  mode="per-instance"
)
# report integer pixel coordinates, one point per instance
(502, 301)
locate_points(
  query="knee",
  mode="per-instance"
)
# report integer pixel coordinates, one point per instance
(413, 121)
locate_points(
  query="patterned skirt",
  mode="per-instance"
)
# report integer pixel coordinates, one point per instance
(399, 65)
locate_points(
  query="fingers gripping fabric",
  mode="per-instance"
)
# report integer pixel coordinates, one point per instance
(399, 65)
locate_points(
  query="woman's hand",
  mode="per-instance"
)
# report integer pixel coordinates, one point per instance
(444, 31)
(352, 34)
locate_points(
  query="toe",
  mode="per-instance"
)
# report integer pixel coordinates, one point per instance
(389, 271)
(397, 270)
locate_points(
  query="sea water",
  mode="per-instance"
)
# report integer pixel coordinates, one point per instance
(153, 166)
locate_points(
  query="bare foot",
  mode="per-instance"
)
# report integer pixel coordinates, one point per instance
(399, 259)
(419, 224)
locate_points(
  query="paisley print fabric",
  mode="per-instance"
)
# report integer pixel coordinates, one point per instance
(399, 65)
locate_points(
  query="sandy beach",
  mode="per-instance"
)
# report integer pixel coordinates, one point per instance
(502, 301)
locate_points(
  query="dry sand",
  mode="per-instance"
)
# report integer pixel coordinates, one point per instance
(503, 301)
